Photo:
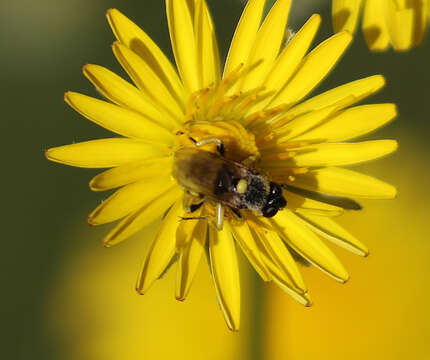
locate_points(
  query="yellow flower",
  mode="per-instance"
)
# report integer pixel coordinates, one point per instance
(250, 118)
(397, 23)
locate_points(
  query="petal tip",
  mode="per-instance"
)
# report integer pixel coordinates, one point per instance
(233, 327)
(362, 251)
(66, 95)
(309, 303)
(394, 193)
(110, 12)
(48, 154)
(380, 82)
(107, 241)
(344, 279)
(315, 17)
(306, 300)
(346, 34)
(143, 284)
(395, 145)
(52, 155)
(139, 290)
(92, 185)
(91, 221)
(87, 68)
(395, 109)
(116, 46)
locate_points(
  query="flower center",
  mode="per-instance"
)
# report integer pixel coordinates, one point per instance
(220, 112)
(217, 159)
(237, 143)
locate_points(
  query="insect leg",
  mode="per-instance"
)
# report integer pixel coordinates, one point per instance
(193, 218)
(236, 213)
(220, 145)
(192, 202)
(195, 207)
(219, 216)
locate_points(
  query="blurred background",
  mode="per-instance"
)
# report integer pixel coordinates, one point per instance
(66, 297)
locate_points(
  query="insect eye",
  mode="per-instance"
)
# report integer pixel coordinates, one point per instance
(223, 181)
(274, 203)
(275, 189)
(242, 186)
(282, 202)
(270, 211)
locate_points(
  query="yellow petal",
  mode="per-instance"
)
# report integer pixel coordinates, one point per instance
(148, 82)
(307, 244)
(124, 94)
(375, 25)
(281, 257)
(344, 182)
(139, 42)
(351, 123)
(118, 119)
(192, 7)
(245, 239)
(207, 47)
(401, 21)
(162, 250)
(105, 153)
(189, 258)
(337, 154)
(282, 280)
(244, 36)
(186, 228)
(304, 122)
(305, 205)
(132, 172)
(316, 65)
(421, 13)
(225, 272)
(267, 44)
(346, 94)
(291, 57)
(332, 231)
(183, 42)
(345, 14)
(303, 299)
(154, 210)
(407, 22)
(129, 198)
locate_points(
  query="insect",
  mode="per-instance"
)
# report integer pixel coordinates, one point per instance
(206, 175)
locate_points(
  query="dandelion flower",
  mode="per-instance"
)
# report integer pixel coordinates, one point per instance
(250, 116)
(397, 23)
